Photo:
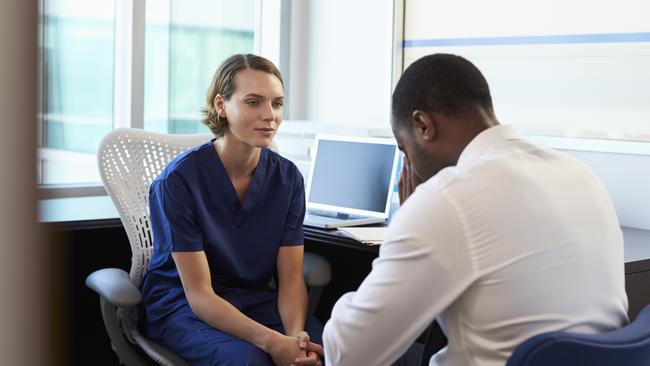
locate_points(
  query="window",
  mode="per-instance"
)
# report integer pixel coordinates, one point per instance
(556, 68)
(77, 86)
(89, 74)
(185, 42)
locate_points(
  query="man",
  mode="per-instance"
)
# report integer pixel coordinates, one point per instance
(501, 240)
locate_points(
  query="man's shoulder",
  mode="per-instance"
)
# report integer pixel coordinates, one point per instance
(501, 166)
(426, 207)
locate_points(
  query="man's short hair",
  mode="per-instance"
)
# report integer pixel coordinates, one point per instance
(441, 83)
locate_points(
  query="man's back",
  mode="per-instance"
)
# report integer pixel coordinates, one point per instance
(513, 241)
(544, 244)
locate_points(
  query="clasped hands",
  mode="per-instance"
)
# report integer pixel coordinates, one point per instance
(296, 350)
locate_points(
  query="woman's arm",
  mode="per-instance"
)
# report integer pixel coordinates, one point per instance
(292, 293)
(219, 313)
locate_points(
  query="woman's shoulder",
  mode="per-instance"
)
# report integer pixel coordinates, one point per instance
(285, 170)
(186, 163)
(279, 162)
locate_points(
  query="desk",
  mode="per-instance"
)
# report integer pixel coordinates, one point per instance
(95, 239)
(334, 237)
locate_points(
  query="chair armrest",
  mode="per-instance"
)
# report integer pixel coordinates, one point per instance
(317, 270)
(115, 286)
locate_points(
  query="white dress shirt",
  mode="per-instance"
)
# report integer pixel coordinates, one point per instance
(513, 241)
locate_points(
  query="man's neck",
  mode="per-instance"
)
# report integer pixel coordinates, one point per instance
(472, 124)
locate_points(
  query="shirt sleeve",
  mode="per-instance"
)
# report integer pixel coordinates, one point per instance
(173, 215)
(423, 266)
(293, 232)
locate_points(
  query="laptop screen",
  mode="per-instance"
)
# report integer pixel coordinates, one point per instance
(353, 175)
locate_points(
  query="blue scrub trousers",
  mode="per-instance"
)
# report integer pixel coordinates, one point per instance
(201, 344)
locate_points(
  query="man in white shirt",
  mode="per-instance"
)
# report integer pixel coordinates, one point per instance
(501, 240)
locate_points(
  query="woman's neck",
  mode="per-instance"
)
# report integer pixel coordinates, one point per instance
(238, 158)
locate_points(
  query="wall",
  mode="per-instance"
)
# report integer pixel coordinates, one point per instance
(341, 61)
(622, 166)
(22, 301)
(627, 178)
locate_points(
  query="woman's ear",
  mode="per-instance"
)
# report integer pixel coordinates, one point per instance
(220, 105)
(423, 125)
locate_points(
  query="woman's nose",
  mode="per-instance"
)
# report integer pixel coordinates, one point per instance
(268, 113)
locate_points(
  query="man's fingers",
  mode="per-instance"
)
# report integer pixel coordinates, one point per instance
(405, 180)
(315, 347)
(310, 359)
(409, 176)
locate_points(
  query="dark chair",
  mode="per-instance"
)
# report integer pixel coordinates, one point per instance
(434, 341)
(627, 346)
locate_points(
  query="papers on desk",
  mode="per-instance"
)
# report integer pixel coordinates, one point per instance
(366, 235)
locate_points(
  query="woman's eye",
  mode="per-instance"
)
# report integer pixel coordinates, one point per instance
(253, 103)
(278, 104)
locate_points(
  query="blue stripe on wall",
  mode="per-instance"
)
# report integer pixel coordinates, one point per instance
(526, 40)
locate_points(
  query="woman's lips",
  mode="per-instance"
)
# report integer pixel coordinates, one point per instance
(265, 131)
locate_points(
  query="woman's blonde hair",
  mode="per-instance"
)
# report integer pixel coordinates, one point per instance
(223, 83)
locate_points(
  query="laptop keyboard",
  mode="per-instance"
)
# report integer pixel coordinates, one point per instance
(334, 215)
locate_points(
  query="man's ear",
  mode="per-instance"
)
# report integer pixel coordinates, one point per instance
(423, 125)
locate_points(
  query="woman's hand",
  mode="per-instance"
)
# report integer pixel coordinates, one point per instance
(303, 338)
(284, 350)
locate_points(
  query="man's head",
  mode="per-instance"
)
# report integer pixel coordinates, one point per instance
(440, 104)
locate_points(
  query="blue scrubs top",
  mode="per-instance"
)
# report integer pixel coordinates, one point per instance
(194, 207)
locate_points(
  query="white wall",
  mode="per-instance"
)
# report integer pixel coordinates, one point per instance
(23, 326)
(341, 62)
(622, 166)
(627, 179)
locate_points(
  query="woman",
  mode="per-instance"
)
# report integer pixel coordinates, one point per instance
(225, 216)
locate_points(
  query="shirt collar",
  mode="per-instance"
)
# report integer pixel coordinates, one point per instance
(485, 140)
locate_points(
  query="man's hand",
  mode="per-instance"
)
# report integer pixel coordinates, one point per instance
(314, 354)
(408, 180)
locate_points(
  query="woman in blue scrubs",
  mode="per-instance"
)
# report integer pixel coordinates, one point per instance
(225, 217)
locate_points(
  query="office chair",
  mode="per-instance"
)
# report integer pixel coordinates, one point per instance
(129, 160)
(627, 346)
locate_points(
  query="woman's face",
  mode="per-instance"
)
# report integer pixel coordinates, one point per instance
(254, 111)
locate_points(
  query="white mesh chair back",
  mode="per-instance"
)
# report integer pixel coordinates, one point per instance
(129, 160)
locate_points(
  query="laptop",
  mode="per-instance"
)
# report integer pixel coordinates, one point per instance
(350, 181)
